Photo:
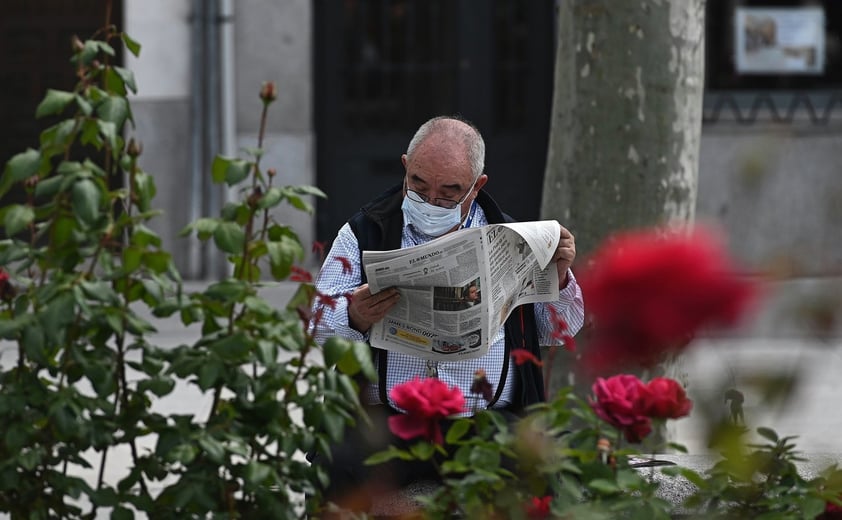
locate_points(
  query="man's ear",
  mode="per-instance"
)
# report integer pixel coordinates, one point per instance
(403, 161)
(481, 182)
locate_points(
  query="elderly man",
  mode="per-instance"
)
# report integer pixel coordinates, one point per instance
(442, 191)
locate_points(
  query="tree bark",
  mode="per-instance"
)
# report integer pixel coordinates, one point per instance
(625, 129)
(626, 121)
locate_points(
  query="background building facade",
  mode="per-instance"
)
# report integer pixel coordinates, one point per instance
(356, 77)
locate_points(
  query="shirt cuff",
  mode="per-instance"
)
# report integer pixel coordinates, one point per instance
(569, 291)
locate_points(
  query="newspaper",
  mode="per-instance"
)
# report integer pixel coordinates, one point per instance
(457, 290)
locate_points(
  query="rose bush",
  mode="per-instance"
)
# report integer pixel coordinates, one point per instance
(648, 293)
(83, 279)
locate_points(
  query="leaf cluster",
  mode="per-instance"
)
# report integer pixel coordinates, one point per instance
(88, 279)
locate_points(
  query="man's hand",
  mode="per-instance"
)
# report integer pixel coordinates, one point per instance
(564, 255)
(365, 308)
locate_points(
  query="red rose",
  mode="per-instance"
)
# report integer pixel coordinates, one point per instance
(615, 401)
(649, 292)
(426, 402)
(663, 398)
(539, 507)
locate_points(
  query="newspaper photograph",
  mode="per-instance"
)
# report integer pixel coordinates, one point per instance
(457, 290)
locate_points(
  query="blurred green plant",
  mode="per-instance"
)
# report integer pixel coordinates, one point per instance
(80, 271)
(649, 293)
(564, 461)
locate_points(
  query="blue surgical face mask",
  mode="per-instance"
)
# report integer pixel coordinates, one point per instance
(429, 219)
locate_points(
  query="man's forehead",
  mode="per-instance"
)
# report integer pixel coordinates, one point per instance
(431, 168)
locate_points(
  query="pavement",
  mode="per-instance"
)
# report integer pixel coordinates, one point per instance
(791, 346)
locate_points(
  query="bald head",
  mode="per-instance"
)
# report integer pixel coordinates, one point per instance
(453, 136)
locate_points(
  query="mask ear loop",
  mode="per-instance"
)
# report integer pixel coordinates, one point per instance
(469, 218)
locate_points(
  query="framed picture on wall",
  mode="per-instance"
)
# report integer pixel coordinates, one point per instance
(783, 40)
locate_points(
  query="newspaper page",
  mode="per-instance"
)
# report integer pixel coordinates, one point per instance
(457, 290)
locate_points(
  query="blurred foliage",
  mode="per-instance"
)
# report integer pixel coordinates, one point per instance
(82, 271)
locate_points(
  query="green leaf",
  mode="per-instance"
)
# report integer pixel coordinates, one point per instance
(9, 328)
(86, 201)
(458, 430)
(48, 188)
(101, 378)
(233, 348)
(209, 373)
(16, 218)
(768, 433)
(16, 436)
(307, 190)
(122, 513)
(300, 204)
(108, 130)
(204, 228)
(59, 312)
(229, 170)
(22, 166)
(282, 254)
(227, 291)
(183, 453)
(362, 354)
(387, 455)
(604, 486)
(54, 102)
(229, 237)
(33, 342)
(334, 349)
(422, 450)
(214, 448)
(157, 261)
(91, 133)
(256, 473)
(271, 198)
(88, 52)
(334, 424)
(145, 191)
(159, 385)
(114, 83)
(128, 78)
(84, 105)
(131, 258)
(114, 109)
(54, 138)
(142, 236)
(131, 45)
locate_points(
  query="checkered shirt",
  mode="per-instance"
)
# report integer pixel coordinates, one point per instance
(335, 280)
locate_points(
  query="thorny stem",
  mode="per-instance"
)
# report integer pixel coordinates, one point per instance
(121, 394)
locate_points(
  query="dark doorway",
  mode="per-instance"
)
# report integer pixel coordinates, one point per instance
(384, 67)
(35, 54)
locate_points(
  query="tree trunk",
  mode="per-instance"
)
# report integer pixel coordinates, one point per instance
(625, 129)
(626, 122)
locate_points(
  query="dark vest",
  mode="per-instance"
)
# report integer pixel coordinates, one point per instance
(378, 227)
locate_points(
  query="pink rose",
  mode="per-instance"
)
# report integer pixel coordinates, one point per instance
(426, 402)
(615, 400)
(663, 398)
